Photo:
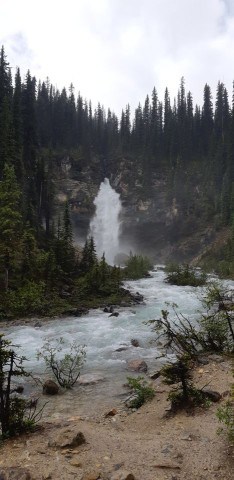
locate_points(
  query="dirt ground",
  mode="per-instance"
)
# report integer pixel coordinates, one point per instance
(146, 443)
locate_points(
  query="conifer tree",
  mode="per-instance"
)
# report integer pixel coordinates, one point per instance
(10, 222)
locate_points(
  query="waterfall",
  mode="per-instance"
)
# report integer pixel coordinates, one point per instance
(105, 225)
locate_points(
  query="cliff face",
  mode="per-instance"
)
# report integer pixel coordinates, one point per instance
(154, 220)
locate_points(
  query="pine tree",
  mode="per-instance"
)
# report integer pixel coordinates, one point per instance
(10, 221)
(67, 261)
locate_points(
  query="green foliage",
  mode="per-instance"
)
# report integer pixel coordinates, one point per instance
(27, 300)
(225, 415)
(184, 395)
(15, 417)
(143, 392)
(212, 332)
(66, 369)
(184, 275)
(137, 266)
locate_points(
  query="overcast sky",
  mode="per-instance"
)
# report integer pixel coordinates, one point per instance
(116, 51)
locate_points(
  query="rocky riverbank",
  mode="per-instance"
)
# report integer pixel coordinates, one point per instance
(143, 445)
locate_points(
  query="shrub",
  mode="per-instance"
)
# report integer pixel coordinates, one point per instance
(225, 415)
(143, 392)
(15, 417)
(184, 275)
(28, 299)
(213, 331)
(137, 266)
(184, 395)
(67, 369)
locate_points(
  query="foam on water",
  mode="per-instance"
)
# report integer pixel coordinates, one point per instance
(103, 335)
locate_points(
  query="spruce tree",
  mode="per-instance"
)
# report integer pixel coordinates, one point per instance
(10, 222)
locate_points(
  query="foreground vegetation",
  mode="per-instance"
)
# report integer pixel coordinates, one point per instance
(213, 332)
(17, 415)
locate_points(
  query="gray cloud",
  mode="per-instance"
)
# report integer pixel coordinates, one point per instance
(116, 51)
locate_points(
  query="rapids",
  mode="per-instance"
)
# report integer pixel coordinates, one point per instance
(103, 335)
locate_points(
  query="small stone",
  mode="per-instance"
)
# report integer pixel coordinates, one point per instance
(122, 475)
(111, 413)
(135, 342)
(75, 463)
(50, 387)
(188, 438)
(203, 360)
(137, 365)
(95, 475)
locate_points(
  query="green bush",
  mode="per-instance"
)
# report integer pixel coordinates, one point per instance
(27, 300)
(15, 413)
(137, 266)
(213, 331)
(184, 275)
(226, 417)
(66, 369)
(184, 394)
(143, 392)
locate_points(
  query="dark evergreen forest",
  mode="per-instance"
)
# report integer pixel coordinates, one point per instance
(39, 125)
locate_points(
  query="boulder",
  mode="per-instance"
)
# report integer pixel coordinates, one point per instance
(114, 314)
(137, 365)
(38, 325)
(138, 298)
(212, 395)
(121, 349)
(50, 387)
(15, 473)
(135, 342)
(68, 439)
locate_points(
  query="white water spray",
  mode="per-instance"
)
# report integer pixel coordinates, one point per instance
(105, 225)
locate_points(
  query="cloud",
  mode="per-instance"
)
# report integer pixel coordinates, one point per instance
(116, 51)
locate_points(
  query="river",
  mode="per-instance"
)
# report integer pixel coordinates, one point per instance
(103, 335)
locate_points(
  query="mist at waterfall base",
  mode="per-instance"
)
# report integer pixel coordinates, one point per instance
(103, 337)
(105, 226)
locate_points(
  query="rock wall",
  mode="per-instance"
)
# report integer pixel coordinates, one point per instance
(153, 221)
